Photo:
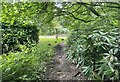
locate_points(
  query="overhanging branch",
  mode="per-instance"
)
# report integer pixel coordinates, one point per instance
(63, 13)
(118, 5)
(72, 15)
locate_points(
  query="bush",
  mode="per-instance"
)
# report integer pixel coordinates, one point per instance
(26, 65)
(14, 35)
(17, 66)
(96, 52)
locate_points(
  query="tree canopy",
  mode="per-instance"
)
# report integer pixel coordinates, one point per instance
(93, 43)
(73, 12)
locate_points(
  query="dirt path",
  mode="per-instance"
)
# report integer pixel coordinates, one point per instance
(62, 69)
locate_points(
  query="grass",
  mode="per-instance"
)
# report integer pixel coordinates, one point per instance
(28, 65)
(49, 42)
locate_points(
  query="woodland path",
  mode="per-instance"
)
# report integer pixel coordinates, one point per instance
(60, 68)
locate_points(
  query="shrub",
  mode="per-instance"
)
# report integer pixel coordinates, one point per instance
(18, 66)
(14, 35)
(96, 52)
(26, 65)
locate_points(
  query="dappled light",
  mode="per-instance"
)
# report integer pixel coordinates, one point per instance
(60, 41)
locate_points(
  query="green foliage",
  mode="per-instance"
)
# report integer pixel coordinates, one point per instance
(26, 65)
(97, 52)
(95, 45)
(46, 30)
(30, 64)
(14, 35)
(53, 41)
(54, 27)
(26, 13)
(19, 66)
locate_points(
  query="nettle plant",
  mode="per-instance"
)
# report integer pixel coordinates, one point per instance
(97, 53)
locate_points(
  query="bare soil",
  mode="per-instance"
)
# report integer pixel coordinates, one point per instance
(60, 68)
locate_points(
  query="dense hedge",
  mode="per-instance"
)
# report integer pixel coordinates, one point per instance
(15, 35)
